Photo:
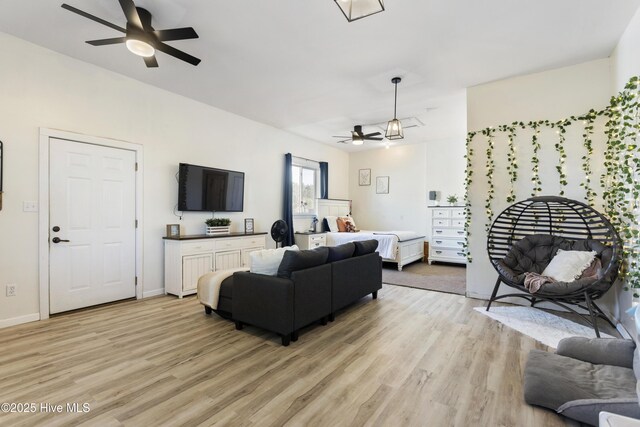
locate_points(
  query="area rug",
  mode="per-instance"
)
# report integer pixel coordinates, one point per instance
(436, 277)
(540, 325)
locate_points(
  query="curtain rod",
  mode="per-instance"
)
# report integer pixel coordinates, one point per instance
(303, 158)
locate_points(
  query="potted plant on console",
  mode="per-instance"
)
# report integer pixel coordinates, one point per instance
(217, 226)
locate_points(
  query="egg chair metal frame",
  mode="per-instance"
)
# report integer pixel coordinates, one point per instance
(571, 220)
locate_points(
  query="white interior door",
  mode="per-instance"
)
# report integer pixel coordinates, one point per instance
(92, 225)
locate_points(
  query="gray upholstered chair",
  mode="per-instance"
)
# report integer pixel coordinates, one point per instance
(585, 376)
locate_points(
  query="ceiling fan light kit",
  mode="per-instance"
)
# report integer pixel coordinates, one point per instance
(394, 127)
(140, 48)
(358, 9)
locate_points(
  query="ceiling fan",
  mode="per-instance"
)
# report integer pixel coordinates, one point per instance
(140, 37)
(358, 137)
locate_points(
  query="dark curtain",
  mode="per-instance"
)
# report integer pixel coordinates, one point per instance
(287, 208)
(324, 180)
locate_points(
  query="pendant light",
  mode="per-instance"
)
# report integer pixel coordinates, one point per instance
(357, 9)
(394, 127)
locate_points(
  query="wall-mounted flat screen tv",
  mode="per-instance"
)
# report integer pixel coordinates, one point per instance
(206, 189)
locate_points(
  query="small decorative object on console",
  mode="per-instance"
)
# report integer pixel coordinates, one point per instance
(217, 226)
(248, 225)
(174, 230)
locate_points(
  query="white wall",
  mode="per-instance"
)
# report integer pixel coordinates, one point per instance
(552, 95)
(413, 170)
(41, 88)
(625, 63)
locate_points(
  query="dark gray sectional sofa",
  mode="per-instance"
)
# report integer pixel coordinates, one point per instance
(311, 286)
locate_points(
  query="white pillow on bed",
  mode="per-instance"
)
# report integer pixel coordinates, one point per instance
(267, 261)
(567, 266)
(332, 222)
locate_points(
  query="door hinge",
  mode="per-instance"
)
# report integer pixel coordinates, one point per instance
(136, 223)
(136, 281)
(136, 166)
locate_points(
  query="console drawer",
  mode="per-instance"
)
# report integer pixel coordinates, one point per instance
(200, 246)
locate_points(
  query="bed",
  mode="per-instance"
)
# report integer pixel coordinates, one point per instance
(399, 247)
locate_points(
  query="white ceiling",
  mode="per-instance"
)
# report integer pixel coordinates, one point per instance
(298, 65)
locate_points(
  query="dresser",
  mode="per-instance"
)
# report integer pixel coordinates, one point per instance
(186, 258)
(310, 240)
(447, 234)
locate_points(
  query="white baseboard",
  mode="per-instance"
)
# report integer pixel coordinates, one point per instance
(33, 317)
(152, 293)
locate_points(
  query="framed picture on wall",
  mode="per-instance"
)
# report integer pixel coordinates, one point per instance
(382, 185)
(364, 177)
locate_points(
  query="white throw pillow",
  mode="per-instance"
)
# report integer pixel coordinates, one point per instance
(567, 266)
(332, 222)
(267, 261)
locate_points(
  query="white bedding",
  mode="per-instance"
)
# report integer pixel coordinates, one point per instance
(387, 240)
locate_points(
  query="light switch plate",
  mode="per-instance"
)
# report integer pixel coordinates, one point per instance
(30, 206)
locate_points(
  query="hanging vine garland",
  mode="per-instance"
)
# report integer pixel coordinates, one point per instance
(490, 165)
(562, 155)
(535, 161)
(587, 136)
(468, 180)
(512, 164)
(621, 180)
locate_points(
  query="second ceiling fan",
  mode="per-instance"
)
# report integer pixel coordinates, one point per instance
(358, 137)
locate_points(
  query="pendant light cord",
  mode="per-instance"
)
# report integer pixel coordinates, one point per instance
(395, 100)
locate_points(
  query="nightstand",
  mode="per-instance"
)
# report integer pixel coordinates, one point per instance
(310, 240)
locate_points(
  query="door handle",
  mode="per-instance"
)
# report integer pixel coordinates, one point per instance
(58, 240)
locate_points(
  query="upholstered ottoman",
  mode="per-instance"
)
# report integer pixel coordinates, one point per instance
(584, 376)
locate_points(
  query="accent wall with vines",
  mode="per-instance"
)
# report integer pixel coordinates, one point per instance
(619, 182)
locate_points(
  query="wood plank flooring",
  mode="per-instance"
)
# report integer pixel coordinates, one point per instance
(410, 358)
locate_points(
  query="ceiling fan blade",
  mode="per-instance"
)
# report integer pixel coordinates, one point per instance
(131, 13)
(344, 141)
(373, 139)
(341, 136)
(93, 18)
(176, 34)
(169, 50)
(372, 134)
(151, 61)
(104, 42)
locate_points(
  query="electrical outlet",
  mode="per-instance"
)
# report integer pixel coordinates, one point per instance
(11, 290)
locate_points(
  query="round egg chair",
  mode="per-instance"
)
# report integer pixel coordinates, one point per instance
(527, 235)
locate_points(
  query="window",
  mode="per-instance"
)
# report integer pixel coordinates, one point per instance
(305, 178)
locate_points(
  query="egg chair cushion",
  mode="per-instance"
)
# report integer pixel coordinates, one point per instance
(533, 253)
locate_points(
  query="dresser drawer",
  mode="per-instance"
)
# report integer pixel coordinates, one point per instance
(447, 243)
(441, 213)
(457, 223)
(447, 253)
(322, 238)
(457, 213)
(447, 232)
(439, 222)
(187, 248)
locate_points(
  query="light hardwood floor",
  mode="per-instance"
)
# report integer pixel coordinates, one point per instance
(412, 357)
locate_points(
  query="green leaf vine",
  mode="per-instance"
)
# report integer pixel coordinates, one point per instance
(535, 160)
(468, 180)
(490, 169)
(562, 155)
(587, 136)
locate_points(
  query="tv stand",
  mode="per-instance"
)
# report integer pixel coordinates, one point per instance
(186, 258)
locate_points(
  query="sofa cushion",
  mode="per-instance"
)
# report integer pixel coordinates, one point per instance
(340, 252)
(552, 381)
(301, 260)
(365, 247)
(267, 261)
